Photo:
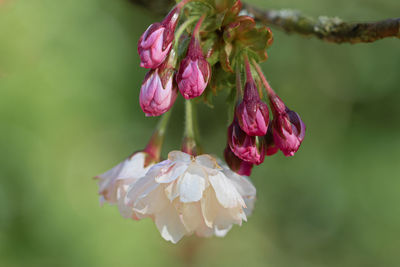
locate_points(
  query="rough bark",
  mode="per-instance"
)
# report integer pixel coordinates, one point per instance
(330, 29)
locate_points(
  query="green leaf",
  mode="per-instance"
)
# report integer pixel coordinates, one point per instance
(225, 57)
(245, 34)
(182, 46)
(231, 103)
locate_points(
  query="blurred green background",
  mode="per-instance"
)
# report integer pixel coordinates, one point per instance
(69, 86)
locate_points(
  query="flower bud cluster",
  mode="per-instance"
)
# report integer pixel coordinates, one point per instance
(252, 135)
(157, 53)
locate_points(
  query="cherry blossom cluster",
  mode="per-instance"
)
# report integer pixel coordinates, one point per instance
(200, 48)
(159, 89)
(252, 135)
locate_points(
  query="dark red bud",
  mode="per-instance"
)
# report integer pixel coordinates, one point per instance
(288, 132)
(252, 113)
(236, 164)
(277, 105)
(270, 147)
(246, 147)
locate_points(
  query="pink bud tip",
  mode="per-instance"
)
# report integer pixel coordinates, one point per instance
(194, 71)
(157, 97)
(270, 147)
(193, 77)
(156, 42)
(288, 132)
(236, 164)
(247, 148)
(252, 113)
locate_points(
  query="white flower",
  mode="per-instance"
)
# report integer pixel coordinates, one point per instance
(243, 185)
(186, 194)
(114, 183)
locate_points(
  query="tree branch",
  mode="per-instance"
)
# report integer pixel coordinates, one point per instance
(330, 29)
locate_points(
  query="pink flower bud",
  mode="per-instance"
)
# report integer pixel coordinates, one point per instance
(158, 93)
(252, 113)
(246, 147)
(270, 147)
(156, 42)
(236, 164)
(194, 71)
(288, 128)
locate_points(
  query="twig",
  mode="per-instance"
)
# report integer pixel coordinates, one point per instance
(330, 29)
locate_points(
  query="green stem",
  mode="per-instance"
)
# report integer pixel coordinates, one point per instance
(190, 143)
(163, 123)
(189, 120)
(198, 25)
(154, 146)
(182, 28)
(196, 129)
(239, 91)
(268, 87)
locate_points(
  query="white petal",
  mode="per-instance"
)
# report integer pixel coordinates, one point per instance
(179, 156)
(215, 215)
(226, 217)
(204, 231)
(131, 168)
(172, 190)
(245, 188)
(223, 231)
(207, 161)
(169, 224)
(242, 183)
(209, 207)
(123, 187)
(108, 178)
(134, 167)
(192, 184)
(225, 191)
(173, 172)
(249, 206)
(151, 203)
(160, 168)
(191, 215)
(141, 188)
(126, 211)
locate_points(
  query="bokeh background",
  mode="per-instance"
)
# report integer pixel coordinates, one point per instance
(69, 86)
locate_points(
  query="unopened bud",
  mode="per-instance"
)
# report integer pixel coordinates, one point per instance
(237, 165)
(158, 92)
(288, 128)
(194, 71)
(246, 147)
(252, 113)
(156, 42)
(270, 147)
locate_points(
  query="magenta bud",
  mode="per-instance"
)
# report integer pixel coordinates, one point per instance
(158, 93)
(156, 42)
(194, 71)
(236, 164)
(277, 105)
(193, 77)
(252, 113)
(246, 147)
(270, 147)
(288, 128)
